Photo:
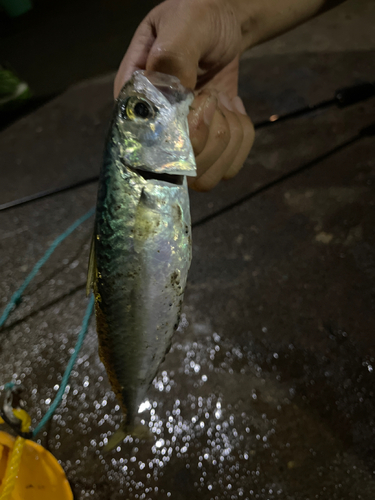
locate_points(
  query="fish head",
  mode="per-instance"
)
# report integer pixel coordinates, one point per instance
(150, 126)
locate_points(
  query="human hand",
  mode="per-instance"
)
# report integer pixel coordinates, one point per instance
(199, 41)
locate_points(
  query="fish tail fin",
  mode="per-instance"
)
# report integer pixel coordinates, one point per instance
(142, 432)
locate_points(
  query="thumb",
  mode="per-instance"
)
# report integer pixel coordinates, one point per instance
(175, 51)
(170, 58)
(136, 55)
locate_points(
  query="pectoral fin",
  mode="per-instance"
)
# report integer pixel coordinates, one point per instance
(91, 272)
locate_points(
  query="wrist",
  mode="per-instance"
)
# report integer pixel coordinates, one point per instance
(248, 16)
(261, 20)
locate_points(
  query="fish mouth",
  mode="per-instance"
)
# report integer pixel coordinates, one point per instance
(176, 180)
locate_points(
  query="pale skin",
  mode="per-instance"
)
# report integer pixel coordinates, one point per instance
(200, 42)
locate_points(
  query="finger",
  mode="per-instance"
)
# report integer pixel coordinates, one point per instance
(247, 142)
(224, 81)
(217, 142)
(173, 62)
(136, 55)
(218, 168)
(200, 118)
(174, 59)
(175, 51)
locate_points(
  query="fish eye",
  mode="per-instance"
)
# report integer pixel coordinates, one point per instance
(142, 110)
(137, 108)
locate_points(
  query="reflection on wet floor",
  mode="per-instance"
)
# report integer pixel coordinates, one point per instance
(229, 421)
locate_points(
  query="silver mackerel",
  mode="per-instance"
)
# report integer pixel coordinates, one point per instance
(141, 249)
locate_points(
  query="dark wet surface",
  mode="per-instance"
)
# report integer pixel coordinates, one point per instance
(268, 390)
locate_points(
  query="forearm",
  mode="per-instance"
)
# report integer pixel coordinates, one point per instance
(261, 20)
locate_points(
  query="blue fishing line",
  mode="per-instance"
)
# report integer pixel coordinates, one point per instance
(69, 368)
(85, 323)
(18, 294)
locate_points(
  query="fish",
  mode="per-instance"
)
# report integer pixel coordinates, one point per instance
(141, 248)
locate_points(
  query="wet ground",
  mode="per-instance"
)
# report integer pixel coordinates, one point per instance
(268, 390)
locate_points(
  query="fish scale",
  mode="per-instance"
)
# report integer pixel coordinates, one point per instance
(141, 250)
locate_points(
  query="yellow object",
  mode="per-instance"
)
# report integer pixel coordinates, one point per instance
(28, 471)
(15, 459)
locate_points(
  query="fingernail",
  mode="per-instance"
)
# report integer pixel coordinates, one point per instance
(224, 99)
(209, 110)
(238, 104)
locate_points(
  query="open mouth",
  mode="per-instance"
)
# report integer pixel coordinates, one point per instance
(177, 180)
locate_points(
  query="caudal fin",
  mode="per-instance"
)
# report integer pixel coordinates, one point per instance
(139, 431)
